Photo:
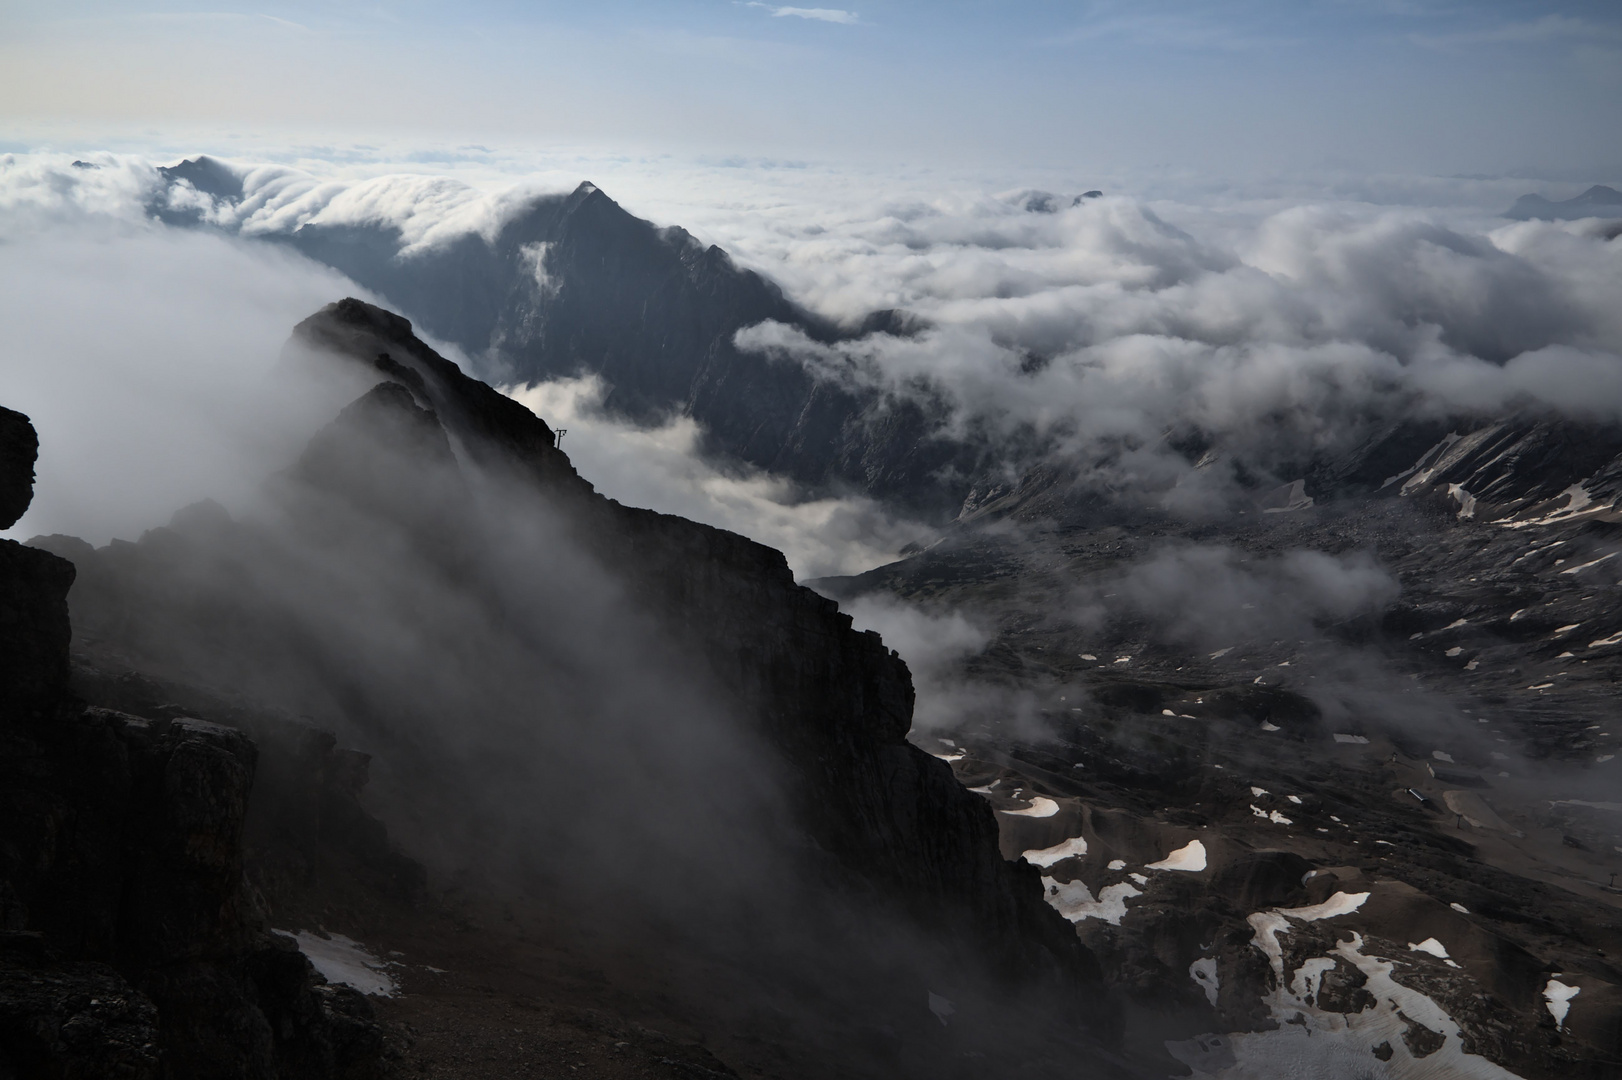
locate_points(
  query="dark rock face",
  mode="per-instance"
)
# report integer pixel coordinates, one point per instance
(837, 704)
(212, 602)
(19, 446)
(130, 947)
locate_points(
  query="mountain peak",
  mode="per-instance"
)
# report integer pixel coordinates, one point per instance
(208, 175)
(1597, 201)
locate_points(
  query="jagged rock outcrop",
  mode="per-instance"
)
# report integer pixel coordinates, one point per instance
(130, 947)
(209, 601)
(836, 703)
(19, 446)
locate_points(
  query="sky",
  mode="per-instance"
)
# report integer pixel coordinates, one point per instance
(1433, 87)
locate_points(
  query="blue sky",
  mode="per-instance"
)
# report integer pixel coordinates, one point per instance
(1228, 85)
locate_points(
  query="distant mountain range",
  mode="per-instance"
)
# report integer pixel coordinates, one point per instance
(1597, 201)
(574, 284)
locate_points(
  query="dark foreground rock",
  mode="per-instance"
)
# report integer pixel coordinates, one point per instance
(130, 946)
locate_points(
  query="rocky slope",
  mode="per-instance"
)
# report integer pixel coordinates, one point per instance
(130, 946)
(629, 719)
(1385, 825)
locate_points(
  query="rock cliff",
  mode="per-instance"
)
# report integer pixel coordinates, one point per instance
(525, 659)
(128, 944)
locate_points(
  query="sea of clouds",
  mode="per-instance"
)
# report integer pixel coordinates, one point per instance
(1279, 316)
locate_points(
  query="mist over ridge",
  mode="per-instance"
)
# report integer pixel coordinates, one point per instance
(1245, 539)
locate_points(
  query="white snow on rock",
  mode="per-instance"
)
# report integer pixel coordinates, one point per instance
(1440, 755)
(1040, 807)
(1460, 908)
(1190, 857)
(1614, 639)
(344, 961)
(1467, 501)
(1075, 901)
(1434, 948)
(1559, 996)
(1291, 497)
(1355, 740)
(1314, 1043)
(1066, 849)
(1117, 864)
(1204, 973)
(941, 1007)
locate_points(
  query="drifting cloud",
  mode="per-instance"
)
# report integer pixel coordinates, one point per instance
(833, 15)
(1107, 333)
(146, 360)
(662, 469)
(1549, 28)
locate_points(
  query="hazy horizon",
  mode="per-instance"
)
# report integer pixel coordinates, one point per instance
(1240, 87)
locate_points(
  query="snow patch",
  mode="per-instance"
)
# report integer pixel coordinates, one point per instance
(1559, 996)
(1068, 849)
(1040, 807)
(1434, 948)
(1467, 501)
(1190, 857)
(344, 961)
(1075, 901)
(1204, 973)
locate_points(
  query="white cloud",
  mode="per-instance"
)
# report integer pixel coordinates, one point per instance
(1536, 31)
(833, 15)
(146, 360)
(661, 469)
(1284, 319)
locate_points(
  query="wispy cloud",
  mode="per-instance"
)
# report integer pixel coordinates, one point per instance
(217, 17)
(833, 15)
(1173, 31)
(1550, 28)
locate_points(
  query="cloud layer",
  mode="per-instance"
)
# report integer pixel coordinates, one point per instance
(1272, 323)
